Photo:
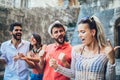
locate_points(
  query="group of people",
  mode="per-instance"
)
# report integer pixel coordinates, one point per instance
(93, 59)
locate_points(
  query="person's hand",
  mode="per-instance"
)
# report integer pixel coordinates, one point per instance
(21, 56)
(110, 51)
(16, 57)
(62, 57)
(42, 52)
(44, 47)
(53, 63)
(116, 47)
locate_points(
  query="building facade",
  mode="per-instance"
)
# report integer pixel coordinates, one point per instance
(15, 3)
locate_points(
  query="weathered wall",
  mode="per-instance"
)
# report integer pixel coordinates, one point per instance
(15, 3)
(106, 10)
(35, 20)
(109, 14)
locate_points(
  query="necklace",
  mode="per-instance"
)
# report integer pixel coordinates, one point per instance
(36, 50)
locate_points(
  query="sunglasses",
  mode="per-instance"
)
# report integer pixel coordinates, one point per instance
(90, 21)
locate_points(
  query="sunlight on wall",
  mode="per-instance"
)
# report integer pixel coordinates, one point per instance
(43, 3)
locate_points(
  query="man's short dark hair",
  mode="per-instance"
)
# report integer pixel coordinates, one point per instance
(15, 24)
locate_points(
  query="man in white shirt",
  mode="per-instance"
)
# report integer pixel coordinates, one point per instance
(15, 68)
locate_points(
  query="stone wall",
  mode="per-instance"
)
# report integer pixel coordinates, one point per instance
(109, 14)
(107, 11)
(15, 3)
(35, 20)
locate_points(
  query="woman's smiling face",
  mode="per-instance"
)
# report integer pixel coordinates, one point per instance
(32, 40)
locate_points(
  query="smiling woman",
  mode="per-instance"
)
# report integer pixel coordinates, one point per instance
(34, 56)
(92, 59)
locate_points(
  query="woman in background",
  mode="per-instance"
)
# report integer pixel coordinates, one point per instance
(34, 57)
(92, 59)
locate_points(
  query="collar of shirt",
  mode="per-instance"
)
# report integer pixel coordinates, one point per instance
(21, 43)
(61, 46)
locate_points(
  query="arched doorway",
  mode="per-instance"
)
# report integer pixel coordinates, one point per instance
(117, 36)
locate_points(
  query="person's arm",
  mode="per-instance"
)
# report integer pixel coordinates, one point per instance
(30, 63)
(110, 51)
(65, 71)
(116, 47)
(110, 72)
(66, 64)
(2, 61)
(33, 59)
(62, 58)
(42, 55)
(42, 62)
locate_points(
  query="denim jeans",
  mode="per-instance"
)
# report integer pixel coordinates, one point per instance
(36, 76)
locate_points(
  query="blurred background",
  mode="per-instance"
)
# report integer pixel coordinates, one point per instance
(37, 15)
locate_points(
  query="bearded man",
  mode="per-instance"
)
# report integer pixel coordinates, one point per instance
(60, 50)
(15, 68)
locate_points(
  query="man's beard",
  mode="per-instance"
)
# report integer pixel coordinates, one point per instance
(60, 40)
(16, 36)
